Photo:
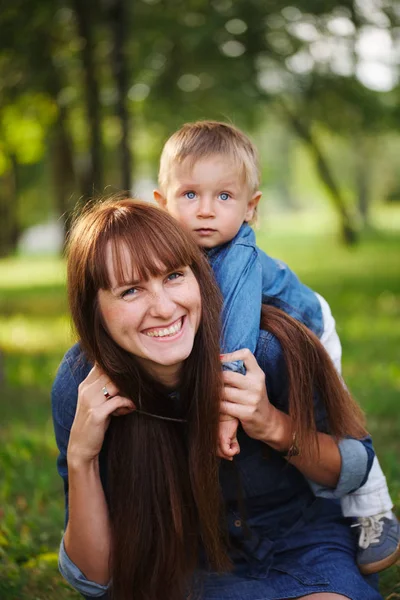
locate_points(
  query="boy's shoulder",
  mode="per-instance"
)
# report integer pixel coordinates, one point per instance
(245, 237)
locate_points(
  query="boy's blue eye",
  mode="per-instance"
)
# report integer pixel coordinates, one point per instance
(224, 196)
(190, 195)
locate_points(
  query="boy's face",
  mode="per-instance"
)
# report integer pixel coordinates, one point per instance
(210, 198)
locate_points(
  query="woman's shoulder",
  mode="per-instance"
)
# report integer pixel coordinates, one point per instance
(73, 369)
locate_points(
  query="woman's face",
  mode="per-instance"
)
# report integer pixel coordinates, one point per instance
(156, 320)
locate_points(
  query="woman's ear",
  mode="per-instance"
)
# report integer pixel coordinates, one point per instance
(160, 199)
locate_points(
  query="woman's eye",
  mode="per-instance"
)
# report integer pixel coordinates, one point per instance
(190, 195)
(224, 196)
(174, 276)
(129, 292)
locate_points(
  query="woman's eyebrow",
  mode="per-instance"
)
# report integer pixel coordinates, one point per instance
(122, 284)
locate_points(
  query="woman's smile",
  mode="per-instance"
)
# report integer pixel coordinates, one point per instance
(155, 319)
(168, 331)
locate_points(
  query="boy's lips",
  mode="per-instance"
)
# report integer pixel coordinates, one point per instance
(205, 231)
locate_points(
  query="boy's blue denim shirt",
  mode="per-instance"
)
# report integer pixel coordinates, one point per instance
(247, 277)
(277, 497)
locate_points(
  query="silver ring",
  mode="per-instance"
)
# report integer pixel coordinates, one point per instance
(106, 394)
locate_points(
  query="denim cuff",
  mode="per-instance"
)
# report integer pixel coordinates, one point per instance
(352, 474)
(237, 366)
(76, 578)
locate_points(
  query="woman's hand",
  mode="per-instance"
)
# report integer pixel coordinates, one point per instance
(246, 396)
(93, 414)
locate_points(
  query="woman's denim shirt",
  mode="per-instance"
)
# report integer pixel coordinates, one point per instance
(276, 497)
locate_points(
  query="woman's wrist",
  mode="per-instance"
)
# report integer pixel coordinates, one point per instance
(78, 463)
(279, 431)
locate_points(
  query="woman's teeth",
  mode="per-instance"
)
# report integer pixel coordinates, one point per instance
(167, 331)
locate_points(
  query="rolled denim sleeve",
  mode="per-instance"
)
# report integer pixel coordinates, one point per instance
(75, 577)
(357, 458)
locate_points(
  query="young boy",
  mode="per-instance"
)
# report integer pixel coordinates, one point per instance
(209, 181)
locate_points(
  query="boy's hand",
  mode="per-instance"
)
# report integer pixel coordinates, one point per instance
(228, 445)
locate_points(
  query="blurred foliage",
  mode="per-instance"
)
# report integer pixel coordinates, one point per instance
(363, 288)
(92, 89)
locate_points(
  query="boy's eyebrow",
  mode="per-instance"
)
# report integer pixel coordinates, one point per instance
(188, 185)
(220, 184)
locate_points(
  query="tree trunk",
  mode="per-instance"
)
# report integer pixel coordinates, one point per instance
(10, 230)
(118, 18)
(63, 169)
(285, 170)
(349, 232)
(363, 180)
(84, 15)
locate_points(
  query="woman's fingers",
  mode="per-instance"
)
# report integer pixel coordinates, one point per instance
(117, 404)
(97, 388)
(244, 389)
(239, 411)
(95, 373)
(236, 380)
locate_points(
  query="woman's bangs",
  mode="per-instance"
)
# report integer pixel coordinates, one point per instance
(141, 252)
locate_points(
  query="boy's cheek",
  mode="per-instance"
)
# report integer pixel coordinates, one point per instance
(180, 213)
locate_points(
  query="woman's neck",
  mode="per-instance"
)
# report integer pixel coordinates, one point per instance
(167, 375)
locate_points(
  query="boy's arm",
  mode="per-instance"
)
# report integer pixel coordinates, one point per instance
(283, 289)
(247, 276)
(239, 277)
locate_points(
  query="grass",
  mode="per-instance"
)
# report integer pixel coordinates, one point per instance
(361, 284)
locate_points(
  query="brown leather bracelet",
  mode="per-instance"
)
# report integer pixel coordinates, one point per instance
(294, 449)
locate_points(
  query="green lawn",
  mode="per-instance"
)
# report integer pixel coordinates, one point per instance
(363, 287)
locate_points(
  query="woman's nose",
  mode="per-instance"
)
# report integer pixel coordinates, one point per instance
(161, 305)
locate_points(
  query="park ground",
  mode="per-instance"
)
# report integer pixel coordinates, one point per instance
(362, 285)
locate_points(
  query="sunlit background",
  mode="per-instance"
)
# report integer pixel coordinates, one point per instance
(89, 92)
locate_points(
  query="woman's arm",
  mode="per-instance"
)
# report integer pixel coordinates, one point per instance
(87, 538)
(86, 544)
(246, 398)
(323, 467)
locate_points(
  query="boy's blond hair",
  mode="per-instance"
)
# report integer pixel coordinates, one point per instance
(203, 139)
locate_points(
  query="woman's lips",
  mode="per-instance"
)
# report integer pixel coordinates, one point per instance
(165, 332)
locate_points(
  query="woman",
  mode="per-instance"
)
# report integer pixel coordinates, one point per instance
(137, 447)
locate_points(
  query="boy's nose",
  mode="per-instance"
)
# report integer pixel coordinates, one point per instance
(205, 208)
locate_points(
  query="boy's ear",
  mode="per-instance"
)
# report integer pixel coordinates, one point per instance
(252, 205)
(160, 199)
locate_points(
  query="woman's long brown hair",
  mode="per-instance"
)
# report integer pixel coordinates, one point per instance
(162, 483)
(310, 371)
